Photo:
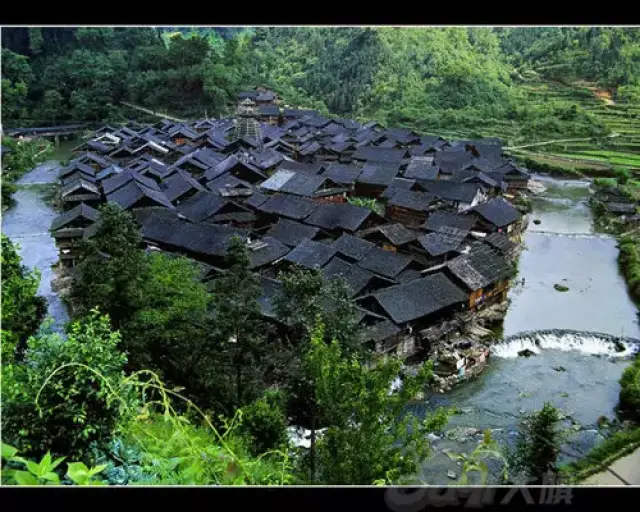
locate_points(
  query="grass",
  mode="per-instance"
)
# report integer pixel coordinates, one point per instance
(618, 445)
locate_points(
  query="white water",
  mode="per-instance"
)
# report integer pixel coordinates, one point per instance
(585, 343)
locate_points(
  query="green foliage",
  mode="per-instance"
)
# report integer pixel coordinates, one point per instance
(36, 474)
(367, 202)
(22, 157)
(629, 263)
(264, 422)
(239, 329)
(609, 55)
(630, 389)
(429, 78)
(369, 434)
(111, 269)
(168, 307)
(22, 309)
(538, 444)
(53, 400)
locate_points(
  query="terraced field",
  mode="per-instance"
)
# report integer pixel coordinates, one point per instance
(622, 119)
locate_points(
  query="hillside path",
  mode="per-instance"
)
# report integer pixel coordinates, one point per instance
(153, 113)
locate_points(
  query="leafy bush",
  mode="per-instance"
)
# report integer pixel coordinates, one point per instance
(630, 389)
(44, 473)
(264, 422)
(629, 262)
(54, 400)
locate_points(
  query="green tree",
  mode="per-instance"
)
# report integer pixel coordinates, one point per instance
(22, 308)
(370, 436)
(52, 105)
(240, 330)
(168, 309)
(538, 444)
(112, 268)
(16, 76)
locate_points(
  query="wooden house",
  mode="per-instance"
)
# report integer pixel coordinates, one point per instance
(80, 191)
(499, 215)
(374, 179)
(336, 218)
(67, 229)
(484, 272)
(391, 237)
(318, 188)
(269, 114)
(409, 207)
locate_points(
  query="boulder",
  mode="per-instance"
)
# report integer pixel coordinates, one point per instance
(526, 353)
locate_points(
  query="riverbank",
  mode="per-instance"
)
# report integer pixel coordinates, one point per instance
(621, 452)
(27, 223)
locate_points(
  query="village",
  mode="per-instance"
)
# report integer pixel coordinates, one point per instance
(423, 230)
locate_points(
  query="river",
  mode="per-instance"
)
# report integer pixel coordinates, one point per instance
(577, 373)
(27, 223)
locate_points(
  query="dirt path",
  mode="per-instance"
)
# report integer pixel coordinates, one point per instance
(627, 467)
(153, 113)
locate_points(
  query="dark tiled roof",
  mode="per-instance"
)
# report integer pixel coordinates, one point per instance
(112, 184)
(266, 251)
(377, 154)
(269, 110)
(386, 263)
(129, 195)
(397, 234)
(442, 241)
(419, 298)
(373, 174)
(355, 277)
(439, 219)
(481, 267)
(500, 241)
(80, 183)
(311, 254)
(352, 246)
(82, 210)
(202, 206)
(343, 174)
(411, 200)
(300, 167)
(342, 215)
(286, 205)
(292, 233)
(498, 212)
(179, 184)
(380, 331)
(450, 191)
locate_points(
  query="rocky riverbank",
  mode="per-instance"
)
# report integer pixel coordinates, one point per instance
(464, 355)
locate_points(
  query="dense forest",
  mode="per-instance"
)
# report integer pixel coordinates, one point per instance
(427, 79)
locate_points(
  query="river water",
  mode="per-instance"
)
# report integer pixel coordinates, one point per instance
(577, 373)
(27, 223)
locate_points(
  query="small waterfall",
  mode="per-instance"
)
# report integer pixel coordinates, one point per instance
(566, 340)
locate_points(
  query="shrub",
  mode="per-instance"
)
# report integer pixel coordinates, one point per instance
(55, 400)
(264, 422)
(630, 388)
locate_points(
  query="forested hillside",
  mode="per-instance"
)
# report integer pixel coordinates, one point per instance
(431, 79)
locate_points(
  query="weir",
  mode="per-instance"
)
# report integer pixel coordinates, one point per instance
(595, 343)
